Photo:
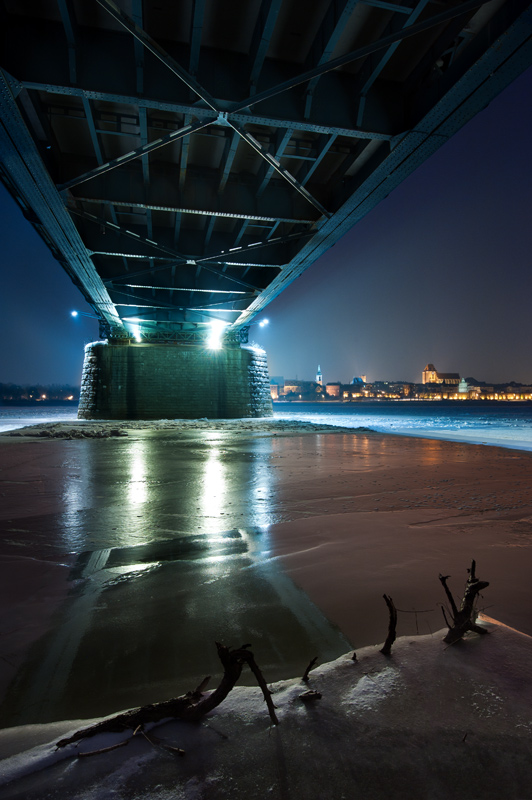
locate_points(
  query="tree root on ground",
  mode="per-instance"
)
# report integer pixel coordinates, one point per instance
(463, 618)
(190, 707)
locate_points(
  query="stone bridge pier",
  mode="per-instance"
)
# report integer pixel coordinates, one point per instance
(173, 380)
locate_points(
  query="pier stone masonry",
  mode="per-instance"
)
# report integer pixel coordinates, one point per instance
(126, 380)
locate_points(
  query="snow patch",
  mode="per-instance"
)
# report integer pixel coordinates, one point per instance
(372, 689)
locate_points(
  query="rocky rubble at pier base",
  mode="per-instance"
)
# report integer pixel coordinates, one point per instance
(83, 429)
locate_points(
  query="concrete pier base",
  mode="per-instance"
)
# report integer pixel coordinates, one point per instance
(173, 381)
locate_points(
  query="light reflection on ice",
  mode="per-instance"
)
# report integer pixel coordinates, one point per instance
(137, 488)
(213, 487)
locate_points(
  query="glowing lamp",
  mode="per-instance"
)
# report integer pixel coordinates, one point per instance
(214, 339)
(135, 330)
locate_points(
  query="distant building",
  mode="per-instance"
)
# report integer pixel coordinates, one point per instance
(333, 389)
(294, 387)
(276, 386)
(431, 375)
(319, 378)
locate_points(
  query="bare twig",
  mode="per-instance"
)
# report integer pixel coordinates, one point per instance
(306, 673)
(450, 598)
(203, 685)
(103, 749)
(392, 626)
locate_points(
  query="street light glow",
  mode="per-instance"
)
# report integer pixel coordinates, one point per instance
(82, 314)
(135, 330)
(264, 322)
(214, 340)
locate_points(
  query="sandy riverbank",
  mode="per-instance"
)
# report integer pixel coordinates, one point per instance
(430, 721)
(349, 515)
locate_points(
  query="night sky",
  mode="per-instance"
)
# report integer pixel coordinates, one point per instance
(439, 271)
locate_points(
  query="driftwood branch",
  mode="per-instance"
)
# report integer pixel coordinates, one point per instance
(190, 707)
(392, 626)
(307, 671)
(464, 618)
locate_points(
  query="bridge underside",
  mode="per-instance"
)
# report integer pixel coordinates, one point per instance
(186, 161)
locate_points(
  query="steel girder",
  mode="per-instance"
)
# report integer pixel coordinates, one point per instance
(496, 68)
(28, 177)
(284, 151)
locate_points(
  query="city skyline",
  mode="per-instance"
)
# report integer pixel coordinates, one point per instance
(437, 272)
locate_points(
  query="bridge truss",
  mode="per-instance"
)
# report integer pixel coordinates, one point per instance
(185, 160)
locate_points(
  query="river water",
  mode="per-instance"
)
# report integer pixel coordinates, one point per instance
(14, 417)
(164, 543)
(504, 424)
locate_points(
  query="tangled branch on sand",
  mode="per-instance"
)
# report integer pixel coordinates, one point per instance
(191, 706)
(464, 618)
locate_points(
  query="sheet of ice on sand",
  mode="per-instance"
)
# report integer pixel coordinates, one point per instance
(430, 722)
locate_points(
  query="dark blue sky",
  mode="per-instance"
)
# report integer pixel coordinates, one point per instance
(439, 271)
(41, 342)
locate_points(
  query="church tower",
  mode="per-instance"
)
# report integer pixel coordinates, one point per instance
(319, 378)
(429, 374)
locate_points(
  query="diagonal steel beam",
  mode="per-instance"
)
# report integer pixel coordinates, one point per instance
(262, 35)
(361, 52)
(125, 232)
(327, 143)
(255, 246)
(417, 11)
(136, 15)
(188, 263)
(326, 40)
(137, 153)
(68, 19)
(273, 162)
(195, 35)
(193, 84)
(179, 259)
(208, 233)
(34, 184)
(231, 146)
(283, 141)
(135, 296)
(201, 212)
(114, 254)
(186, 289)
(96, 146)
(217, 258)
(150, 44)
(173, 263)
(201, 113)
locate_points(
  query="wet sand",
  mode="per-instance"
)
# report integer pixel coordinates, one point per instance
(345, 516)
